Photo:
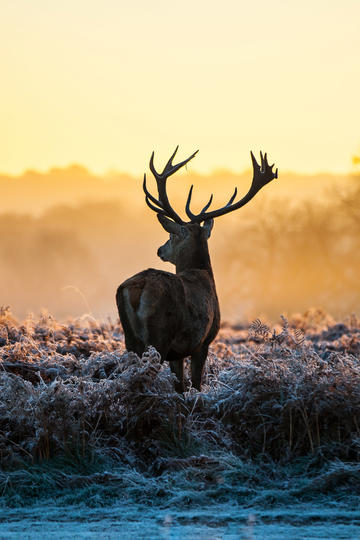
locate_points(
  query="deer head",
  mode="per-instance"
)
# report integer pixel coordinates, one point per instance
(187, 245)
(188, 240)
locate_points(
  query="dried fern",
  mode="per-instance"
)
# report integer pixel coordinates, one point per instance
(73, 388)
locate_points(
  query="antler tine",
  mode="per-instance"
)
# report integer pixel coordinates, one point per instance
(207, 204)
(148, 194)
(262, 175)
(189, 213)
(232, 197)
(169, 168)
(265, 160)
(161, 178)
(169, 163)
(255, 164)
(153, 207)
(154, 204)
(195, 217)
(187, 206)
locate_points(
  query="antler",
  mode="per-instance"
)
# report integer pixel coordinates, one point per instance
(162, 204)
(262, 176)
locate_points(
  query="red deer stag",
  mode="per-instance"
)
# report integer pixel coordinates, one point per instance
(179, 313)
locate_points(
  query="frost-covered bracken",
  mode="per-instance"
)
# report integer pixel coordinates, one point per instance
(282, 392)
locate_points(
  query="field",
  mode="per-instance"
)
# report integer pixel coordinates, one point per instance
(272, 440)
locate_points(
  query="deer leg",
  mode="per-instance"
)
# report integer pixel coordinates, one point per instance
(131, 342)
(198, 360)
(177, 367)
(133, 345)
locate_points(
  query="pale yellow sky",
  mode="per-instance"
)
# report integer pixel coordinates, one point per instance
(103, 83)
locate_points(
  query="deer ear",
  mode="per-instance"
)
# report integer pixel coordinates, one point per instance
(207, 227)
(169, 226)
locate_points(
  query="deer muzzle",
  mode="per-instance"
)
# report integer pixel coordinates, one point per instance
(161, 253)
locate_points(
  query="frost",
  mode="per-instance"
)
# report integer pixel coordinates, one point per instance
(83, 421)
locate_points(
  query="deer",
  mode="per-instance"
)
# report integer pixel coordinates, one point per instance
(178, 313)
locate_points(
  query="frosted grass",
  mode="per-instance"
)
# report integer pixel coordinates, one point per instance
(94, 442)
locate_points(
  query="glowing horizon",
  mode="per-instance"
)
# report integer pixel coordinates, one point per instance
(193, 171)
(102, 84)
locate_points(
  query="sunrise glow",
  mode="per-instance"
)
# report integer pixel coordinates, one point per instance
(105, 83)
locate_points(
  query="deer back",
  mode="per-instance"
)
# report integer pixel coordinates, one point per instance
(182, 307)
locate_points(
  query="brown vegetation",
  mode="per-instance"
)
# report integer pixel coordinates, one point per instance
(280, 394)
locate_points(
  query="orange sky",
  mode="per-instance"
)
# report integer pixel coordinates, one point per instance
(103, 83)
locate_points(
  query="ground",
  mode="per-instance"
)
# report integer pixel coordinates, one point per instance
(94, 441)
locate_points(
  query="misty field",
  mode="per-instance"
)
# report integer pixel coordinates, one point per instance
(68, 239)
(273, 438)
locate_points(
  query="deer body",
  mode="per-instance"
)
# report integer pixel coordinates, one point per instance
(176, 313)
(179, 313)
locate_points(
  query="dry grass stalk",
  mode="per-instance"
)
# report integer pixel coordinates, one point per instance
(73, 389)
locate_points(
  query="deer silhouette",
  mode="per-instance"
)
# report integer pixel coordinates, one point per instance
(179, 313)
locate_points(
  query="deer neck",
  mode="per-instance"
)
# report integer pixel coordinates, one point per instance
(197, 259)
